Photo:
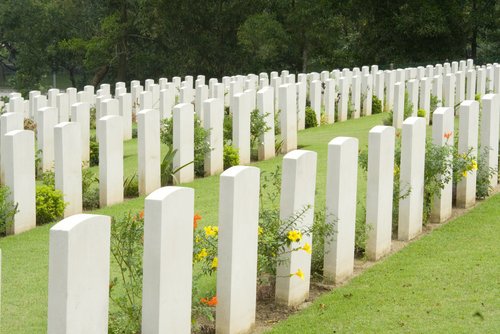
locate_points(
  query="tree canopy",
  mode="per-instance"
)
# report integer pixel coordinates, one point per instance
(118, 40)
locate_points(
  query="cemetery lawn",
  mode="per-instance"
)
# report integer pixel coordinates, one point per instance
(447, 282)
(25, 256)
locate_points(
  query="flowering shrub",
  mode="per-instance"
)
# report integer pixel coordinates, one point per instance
(7, 210)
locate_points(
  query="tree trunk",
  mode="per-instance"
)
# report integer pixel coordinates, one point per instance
(99, 75)
(121, 71)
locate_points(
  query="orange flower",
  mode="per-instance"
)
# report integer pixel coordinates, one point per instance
(447, 135)
(195, 220)
(209, 302)
(141, 214)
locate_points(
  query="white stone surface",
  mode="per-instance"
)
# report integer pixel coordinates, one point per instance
(32, 95)
(241, 127)
(148, 147)
(389, 80)
(110, 160)
(79, 275)
(356, 96)
(201, 96)
(145, 101)
(62, 103)
(399, 105)
(412, 178)
(183, 142)
(288, 116)
(80, 113)
(471, 85)
(47, 119)
(442, 127)
(301, 87)
(367, 94)
(449, 91)
(265, 104)
(490, 119)
(39, 101)
(437, 89)
(167, 264)
(68, 165)
(315, 98)
(52, 97)
(412, 88)
(460, 87)
(424, 101)
(379, 191)
(18, 158)
(341, 184)
(125, 111)
(481, 82)
(9, 121)
(330, 100)
(379, 87)
(214, 122)
(237, 250)
(467, 140)
(298, 185)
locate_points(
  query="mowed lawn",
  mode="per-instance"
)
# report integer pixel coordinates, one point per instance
(25, 257)
(446, 282)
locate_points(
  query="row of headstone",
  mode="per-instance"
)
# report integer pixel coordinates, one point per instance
(169, 231)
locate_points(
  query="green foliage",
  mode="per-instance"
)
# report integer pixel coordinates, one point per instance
(49, 205)
(167, 170)
(94, 151)
(93, 113)
(421, 113)
(48, 178)
(8, 209)
(484, 173)
(277, 124)
(258, 127)
(201, 146)
(90, 190)
(408, 110)
(228, 127)
(310, 121)
(125, 289)
(376, 105)
(131, 186)
(231, 156)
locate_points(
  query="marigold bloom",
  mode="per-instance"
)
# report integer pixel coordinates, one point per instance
(215, 262)
(294, 235)
(195, 220)
(447, 135)
(211, 231)
(464, 173)
(210, 302)
(141, 214)
(307, 248)
(197, 239)
(261, 230)
(474, 165)
(202, 254)
(299, 274)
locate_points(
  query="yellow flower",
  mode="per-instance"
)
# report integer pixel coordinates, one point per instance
(211, 231)
(474, 165)
(307, 248)
(396, 169)
(215, 262)
(202, 254)
(294, 235)
(261, 230)
(464, 173)
(299, 274)
(197, 239)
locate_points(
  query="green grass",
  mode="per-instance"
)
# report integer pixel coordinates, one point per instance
(25, 256)
(447, 282)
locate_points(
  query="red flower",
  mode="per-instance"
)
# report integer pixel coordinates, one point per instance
(195, 220)
(209, 302)
(447, 135)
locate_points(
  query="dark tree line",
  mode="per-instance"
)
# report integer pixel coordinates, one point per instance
(118, 40)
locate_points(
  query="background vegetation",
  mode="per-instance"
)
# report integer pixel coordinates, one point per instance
(93, 41)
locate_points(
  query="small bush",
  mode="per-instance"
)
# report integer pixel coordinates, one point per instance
(49, 205)
(94, 151)
(93, 117)
(277, 127)
(258, 127)
(484, 173)
(8, 210)
(376, 105)
(311, 120)
(231, 156)
(131, 186)
(90, 190)
(421, 113)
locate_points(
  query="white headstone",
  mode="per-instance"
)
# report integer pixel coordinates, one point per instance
(110, 160)
(237, 250)
(425, 97)
(343, 105)
(341, 183)
(399, 105)
(214, 123)
(315, 98)
(449, 90)
(471, 85)
(330, 97)
(288, 106)
(80, 113)
(241, 126)
(68, 165)
(301, 87)
(490, 119)
(79, 275)
(47, 119)
(125, 111)
(183, 142)
(298, 185)
(367, 94)
(379, 191)
(148, 147)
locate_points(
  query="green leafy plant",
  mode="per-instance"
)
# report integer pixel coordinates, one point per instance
(94, 151)
(90, 190)
(93, 117)
(408, 110)
(376, 105)
(311, 120)
(258, 127)
(230, 156)
(125, 289)
(131, 186)
(484, 174)
(421, 113)
(167, 170)
(8, 209)
(277, 124)
(49, 204)
(201, 146)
